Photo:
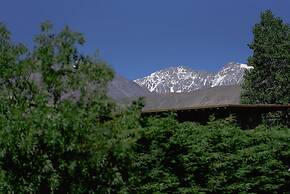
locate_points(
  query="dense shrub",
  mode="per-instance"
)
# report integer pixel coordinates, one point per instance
(216, 158)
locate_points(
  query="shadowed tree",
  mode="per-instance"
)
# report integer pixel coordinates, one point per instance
(268, 82)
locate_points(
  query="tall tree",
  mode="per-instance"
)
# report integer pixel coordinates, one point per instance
(63, 69)
(50, 142)
(269, 81)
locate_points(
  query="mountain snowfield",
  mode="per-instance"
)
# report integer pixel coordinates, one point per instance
(182, 79)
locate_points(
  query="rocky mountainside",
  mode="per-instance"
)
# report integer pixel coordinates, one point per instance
(182, 79)
(121, 87)
(219, 95)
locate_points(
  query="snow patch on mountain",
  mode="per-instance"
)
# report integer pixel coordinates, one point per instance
(182, 79)
(246, 66)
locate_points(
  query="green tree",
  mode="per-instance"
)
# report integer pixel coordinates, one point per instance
(63, 69)
(14, 69)
(50, 141)
(268, 82)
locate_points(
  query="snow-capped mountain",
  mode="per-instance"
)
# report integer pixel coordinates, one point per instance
(182, 79)
(230, 74)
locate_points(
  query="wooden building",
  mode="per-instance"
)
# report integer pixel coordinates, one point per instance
(246, 115)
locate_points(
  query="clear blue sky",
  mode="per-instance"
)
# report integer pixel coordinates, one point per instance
(138, 37)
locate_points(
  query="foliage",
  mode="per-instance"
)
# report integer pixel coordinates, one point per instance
(215, 158)
(14, 83)
(52, 143)
(60, 133)
(268, 82)
(64, 69)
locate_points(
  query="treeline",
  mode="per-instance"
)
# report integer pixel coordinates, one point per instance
(60, 133)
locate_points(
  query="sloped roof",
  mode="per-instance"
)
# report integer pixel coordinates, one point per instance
(241, 107)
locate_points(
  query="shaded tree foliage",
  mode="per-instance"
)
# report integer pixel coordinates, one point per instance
(215, 158)
(55, 144)
(268, 82)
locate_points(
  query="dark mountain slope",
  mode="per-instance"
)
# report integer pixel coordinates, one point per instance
(120, 88)
(210, 96)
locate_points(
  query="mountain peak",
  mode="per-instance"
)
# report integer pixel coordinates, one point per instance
(183, 79)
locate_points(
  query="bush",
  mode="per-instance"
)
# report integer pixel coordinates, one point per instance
(216, 158)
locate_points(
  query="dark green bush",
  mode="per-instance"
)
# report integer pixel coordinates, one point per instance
(216, 158)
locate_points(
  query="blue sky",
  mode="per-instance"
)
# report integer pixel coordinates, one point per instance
(138, 37)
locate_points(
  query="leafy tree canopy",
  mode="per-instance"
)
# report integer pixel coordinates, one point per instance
(268, 82)
(59, 131)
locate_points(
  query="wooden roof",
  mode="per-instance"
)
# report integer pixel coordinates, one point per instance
(260, 107)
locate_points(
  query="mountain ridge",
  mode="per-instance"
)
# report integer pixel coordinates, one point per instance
(181, 79)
